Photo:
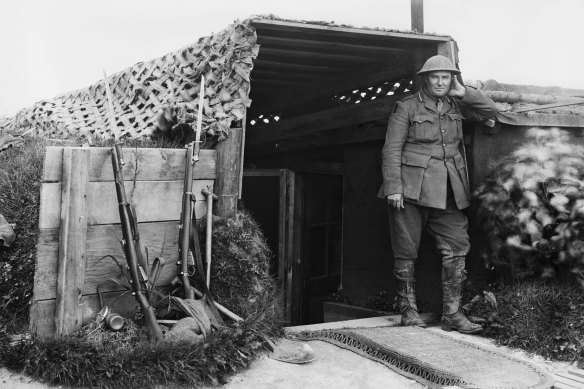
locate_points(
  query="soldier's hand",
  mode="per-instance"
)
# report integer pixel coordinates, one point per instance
(456, 88)
(396, 201)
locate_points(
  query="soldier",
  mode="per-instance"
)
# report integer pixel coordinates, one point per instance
(425, 183)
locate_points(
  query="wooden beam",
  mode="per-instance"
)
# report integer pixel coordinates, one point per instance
(228, 166)
(146, 195)
(72, 240)
(418, 58)
(417, 8)
(327, 87)
(449, 50)
(320, 46)
(321, 121)
(287, 66)
(148, 164)
(345, 136)
(360, 33)
(314, 56)
(260, 74)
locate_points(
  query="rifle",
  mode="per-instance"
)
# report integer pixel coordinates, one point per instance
(132, 247)
(189, 233)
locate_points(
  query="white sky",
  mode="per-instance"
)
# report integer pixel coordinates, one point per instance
(49, 47)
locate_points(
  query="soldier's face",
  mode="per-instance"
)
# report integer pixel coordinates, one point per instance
(438, 83)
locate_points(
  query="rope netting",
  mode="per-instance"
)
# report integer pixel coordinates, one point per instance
(156, 95)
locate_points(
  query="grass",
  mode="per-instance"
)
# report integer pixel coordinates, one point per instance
(128, 360)
(542, 317)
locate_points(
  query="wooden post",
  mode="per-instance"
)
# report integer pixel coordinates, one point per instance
(72, 240)
(418, 59)
(449, 50)
(417, 7)
(228, 167)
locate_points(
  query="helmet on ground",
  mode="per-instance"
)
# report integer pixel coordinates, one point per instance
(438, 63)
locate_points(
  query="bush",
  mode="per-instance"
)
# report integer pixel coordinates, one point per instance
(20, 174)
(530, 209)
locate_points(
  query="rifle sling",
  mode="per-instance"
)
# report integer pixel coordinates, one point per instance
(195, 246)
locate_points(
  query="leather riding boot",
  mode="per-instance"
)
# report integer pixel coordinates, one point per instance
(453, 276)
(406, 293)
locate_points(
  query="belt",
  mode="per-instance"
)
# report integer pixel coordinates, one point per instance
(435, 151)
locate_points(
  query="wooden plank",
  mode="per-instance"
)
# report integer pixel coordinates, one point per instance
(576, 372)
(449, 50)
(328, 86)
(282, 228)
(320, 46)
(262, 173)
(322, 121)
(228, 164)
(161, 239)
(279, 25)
(289, 302)
(46, 264)
(338, 137)
(565, 377)
(72, 240)
(294, 271)
(42, 313)
(284, 66)
(261, 74)
(50, 205)
(417, 10)
(151, 164)
(316, 56)
(154, 200)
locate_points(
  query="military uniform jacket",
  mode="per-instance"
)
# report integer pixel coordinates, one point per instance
(422, 147)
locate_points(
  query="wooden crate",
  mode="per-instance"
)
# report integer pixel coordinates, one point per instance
(79, 224)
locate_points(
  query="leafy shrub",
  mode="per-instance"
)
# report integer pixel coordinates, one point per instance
(530, 209)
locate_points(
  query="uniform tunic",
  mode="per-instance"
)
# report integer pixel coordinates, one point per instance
(422, 161)
(421, 152)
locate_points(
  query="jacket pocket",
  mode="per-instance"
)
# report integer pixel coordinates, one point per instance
(424, 127)
(412, 173)
(456, 120)
(462, 172)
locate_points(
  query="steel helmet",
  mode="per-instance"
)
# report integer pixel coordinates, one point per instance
(438, 63)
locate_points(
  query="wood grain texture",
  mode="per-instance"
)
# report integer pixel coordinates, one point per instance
(229, 164)
(72, 240)
(42, 313)
(150, 164)
(161, 239)
(154, 200)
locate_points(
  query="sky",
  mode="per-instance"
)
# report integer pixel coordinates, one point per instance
(49, 47)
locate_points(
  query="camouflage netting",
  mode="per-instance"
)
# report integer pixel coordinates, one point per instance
(156, 95)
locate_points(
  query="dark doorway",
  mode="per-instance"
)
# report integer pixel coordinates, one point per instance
(321, 241)
(261, 197)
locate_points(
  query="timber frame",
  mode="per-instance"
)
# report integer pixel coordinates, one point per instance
(317, 92)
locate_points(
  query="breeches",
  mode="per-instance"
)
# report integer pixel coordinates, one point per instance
(447, 226)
